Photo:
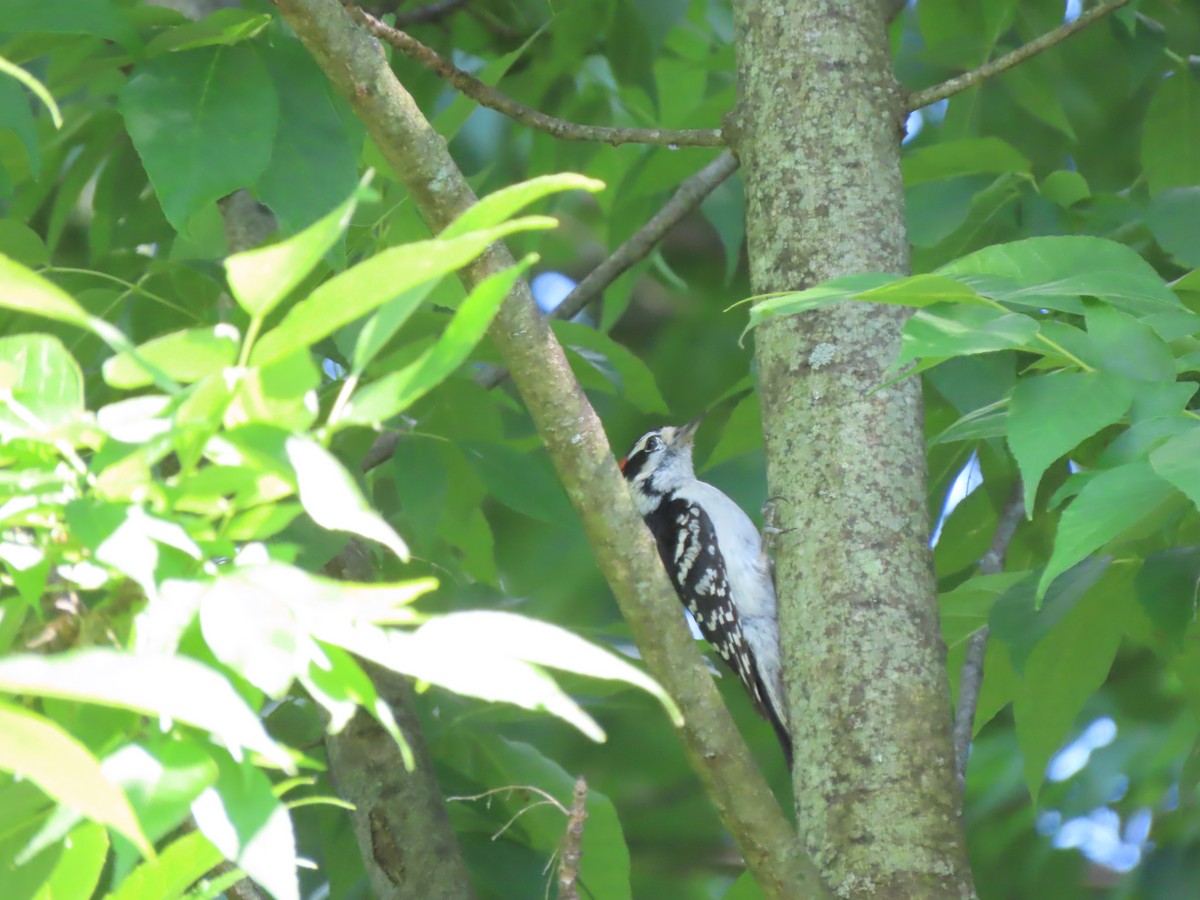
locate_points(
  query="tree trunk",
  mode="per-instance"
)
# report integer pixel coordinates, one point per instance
(818, 129)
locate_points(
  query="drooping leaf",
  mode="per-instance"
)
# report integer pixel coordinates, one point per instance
(962, 330)
(1038, 430)
(173, 688)
(637, 382)
(37, 749)
(332, 498)
(1111, 503)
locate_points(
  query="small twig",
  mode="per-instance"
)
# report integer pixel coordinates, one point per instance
(971, 677)
(996, 66)
(572, 845)
(486, 95)
(509, 788)
(687, 197)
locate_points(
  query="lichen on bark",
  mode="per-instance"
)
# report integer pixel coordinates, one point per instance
(818, 129)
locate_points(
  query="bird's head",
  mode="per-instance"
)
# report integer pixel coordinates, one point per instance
(660, 461)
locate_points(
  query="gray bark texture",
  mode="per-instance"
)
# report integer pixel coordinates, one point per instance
(817, 129)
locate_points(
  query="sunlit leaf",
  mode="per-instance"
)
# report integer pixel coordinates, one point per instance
(186, 356)
(333, 500)
(505, 203)
(37, 749)
(173, 688)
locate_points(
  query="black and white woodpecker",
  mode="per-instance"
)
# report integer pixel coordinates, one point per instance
(715, 558)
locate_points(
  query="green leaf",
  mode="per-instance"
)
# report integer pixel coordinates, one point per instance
(1171, 133)
(332, 498)
(218, 132)
(1065, 188)
(22, 290)
(521, 481)
(394, 393)
(174, 688)
(225, 26)
(1178, 461)
(372, 283)
(314, 164)
(99, 18)
(833, 291)
(1166, 588)
(960, 330)
(1063, 672)
(183, 862)
(1039, 428)
(1172, 220)
(283, 393)
(1038, 271)
(742, 432)
(971, 156)
(1019, 621)
(243, 818)
(635, 378)
(261, 278)
(505, 203)
(1127, 346)
(39, 750)
(41, 386)
(186, 356)
(79, 867)
(1111, 503)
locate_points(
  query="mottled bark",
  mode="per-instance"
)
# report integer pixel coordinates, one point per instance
(400, 819)
(818, 129)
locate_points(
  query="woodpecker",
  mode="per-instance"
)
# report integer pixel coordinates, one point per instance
(715, 558)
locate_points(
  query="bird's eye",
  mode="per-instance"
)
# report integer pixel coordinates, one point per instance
(654, 444)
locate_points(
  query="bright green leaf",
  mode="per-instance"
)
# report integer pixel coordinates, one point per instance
(261, 278)
(225, 26)
(184, 861)
(187, 356)
(961, 330)
(394, 393)
(41, 385)
(37, 749)
(502, 205)
(372, 283)
(1127, 346)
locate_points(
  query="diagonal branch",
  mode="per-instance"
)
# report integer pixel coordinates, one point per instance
(971, 678)
(690, 194)
(994, 67)
(486, 95)
(575, 440)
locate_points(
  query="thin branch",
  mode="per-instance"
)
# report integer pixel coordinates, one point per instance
(572, 845)
(575, 441)
(691, 193)
(996, 66)
(486, 95)
(971, 677)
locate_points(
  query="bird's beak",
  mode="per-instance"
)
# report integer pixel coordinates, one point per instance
(687, 433)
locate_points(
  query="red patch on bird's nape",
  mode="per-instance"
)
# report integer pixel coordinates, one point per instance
(624, 459)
